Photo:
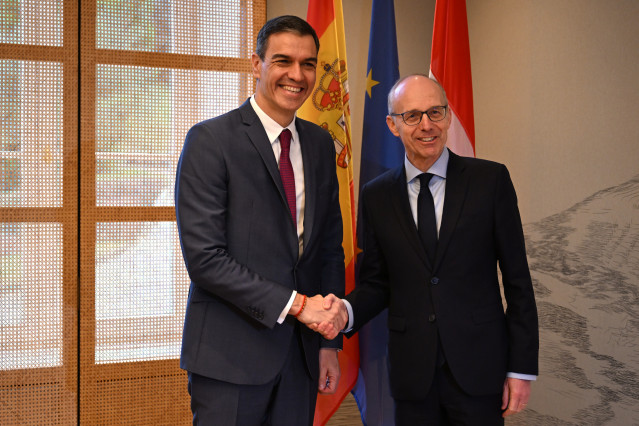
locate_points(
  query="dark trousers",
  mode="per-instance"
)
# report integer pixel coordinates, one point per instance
(447, 404)
(289, 399)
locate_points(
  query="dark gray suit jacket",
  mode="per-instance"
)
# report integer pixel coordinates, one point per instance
(457, 297)
(240, 246)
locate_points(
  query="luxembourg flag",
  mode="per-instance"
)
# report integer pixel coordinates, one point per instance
(450, 66)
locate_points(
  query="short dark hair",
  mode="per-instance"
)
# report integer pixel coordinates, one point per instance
(285, 23)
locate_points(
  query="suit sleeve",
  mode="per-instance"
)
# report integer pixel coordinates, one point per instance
(333, 270)
(521, 312)
(372, 293)
(201, 203)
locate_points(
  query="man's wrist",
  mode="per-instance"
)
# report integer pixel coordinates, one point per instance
(349, 324)
(287, 308)
(529, 377)
(297, 314)
(296, 306)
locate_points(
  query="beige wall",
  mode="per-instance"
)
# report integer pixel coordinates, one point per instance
(556, 86)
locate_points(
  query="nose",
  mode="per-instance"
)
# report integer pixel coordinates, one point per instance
(295, 72)
(425, 124)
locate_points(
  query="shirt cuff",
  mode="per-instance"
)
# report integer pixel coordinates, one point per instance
(530, 377)
(349, 308)
(287, 308)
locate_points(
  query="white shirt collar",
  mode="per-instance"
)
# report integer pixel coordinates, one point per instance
(439, 168)
(272, 128)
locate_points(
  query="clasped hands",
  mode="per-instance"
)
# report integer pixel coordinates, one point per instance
(325, 315)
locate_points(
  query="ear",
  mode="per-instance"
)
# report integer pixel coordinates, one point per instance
(448, 120)
(390, 122)
(256, 63)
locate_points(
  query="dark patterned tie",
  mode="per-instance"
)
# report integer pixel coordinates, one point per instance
(286, 172)
(426, 222)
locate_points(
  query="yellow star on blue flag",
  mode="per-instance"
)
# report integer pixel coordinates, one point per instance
(370, 82)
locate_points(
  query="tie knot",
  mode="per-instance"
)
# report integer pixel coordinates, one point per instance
(285, 139)
(424, 179)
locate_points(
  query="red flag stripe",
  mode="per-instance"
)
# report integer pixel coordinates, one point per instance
(450, 60)
(320, 15)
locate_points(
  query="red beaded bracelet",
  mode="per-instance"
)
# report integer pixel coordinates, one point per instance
(302, 308)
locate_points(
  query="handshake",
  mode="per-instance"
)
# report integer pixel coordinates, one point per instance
(325, 315)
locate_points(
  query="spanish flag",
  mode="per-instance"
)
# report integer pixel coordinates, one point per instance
(328, 107)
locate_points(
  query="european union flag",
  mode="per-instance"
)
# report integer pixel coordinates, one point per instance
(381, 151)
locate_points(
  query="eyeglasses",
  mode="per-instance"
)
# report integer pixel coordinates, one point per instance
(413, 118)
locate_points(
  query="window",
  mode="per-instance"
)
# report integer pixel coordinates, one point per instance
(97, 98)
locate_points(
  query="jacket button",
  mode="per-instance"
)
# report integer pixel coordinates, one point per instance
(432, 318)
(434, 280)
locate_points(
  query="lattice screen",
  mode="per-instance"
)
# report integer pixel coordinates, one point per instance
(94, 109)
(38, 212)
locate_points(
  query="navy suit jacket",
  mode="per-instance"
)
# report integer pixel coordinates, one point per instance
(458, 297)
(240, 246)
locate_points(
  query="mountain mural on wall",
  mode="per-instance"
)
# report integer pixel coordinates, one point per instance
(584, 263)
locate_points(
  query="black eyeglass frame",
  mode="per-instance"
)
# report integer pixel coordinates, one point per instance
(421, 116)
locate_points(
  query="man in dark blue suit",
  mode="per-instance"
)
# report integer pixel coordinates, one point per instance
(435, 230)
(260, 226)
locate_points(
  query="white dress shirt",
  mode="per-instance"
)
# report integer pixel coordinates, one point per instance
(273, 130)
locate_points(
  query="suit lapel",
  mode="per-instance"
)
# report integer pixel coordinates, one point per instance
(257, 135)
(310, 184)
(399, 195)
(456, 187)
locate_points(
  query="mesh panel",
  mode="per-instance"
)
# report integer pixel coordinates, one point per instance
(31, 129)
(140, 292)
(38, 213)
(36, 22)
(36, 404)
(136, 392)
(31, 295)
(140, 127)
(205, 27)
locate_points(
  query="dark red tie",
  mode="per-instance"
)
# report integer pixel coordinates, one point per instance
(286, 172)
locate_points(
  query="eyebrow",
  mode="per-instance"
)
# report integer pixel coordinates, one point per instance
(282, 56)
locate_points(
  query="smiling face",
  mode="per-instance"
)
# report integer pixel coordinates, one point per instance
(286, 75)
(424, 142)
